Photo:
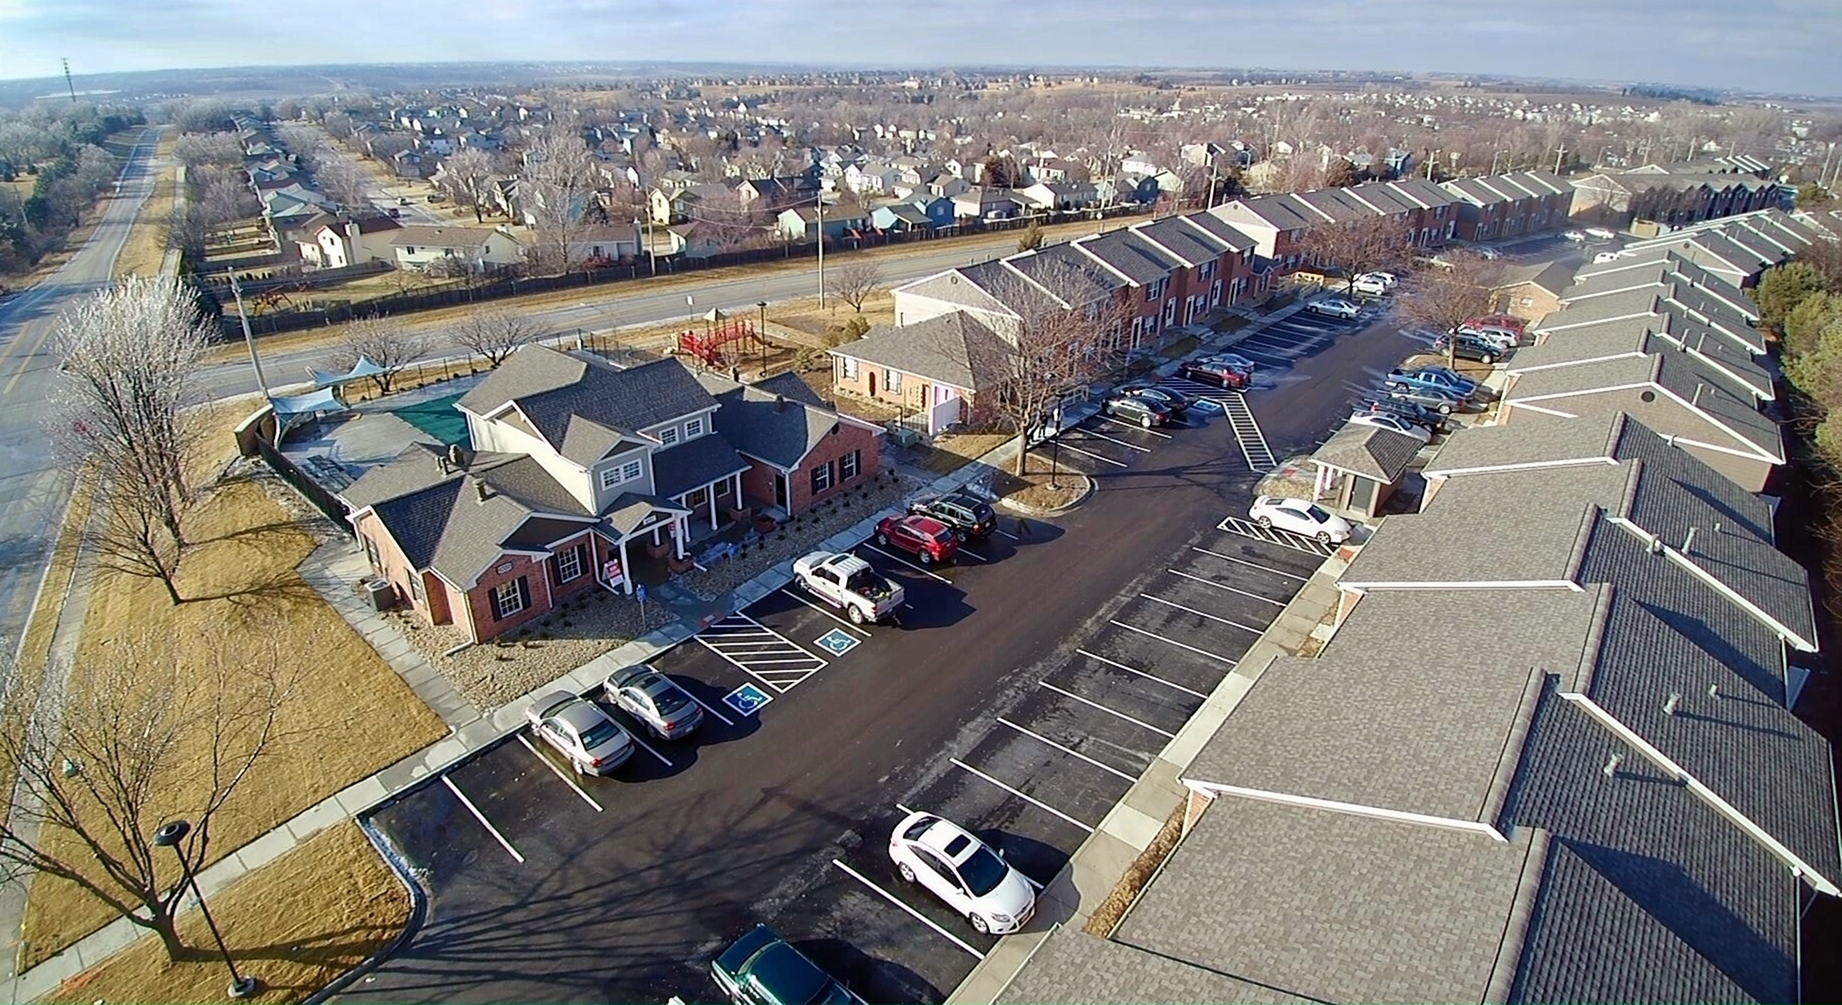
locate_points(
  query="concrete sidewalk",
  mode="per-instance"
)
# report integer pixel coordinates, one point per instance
(335, 565)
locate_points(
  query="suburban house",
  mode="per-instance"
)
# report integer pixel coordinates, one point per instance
(1532, 292)
(284, 208)
(410, 164)
(985, 203)
(1576, 809)
(902, 216)
(1277, 225)
(1509, 205)
(337, 243)
(476, 248)
(802, 223)
(1059, 196)
(582, 474)
(604, 242)
(1669, 197)
(939, 369)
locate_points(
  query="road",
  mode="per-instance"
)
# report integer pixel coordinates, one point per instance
(33, 487)
(620, 891)
(633, 304)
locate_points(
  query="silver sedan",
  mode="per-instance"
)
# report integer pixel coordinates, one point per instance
(651, 697)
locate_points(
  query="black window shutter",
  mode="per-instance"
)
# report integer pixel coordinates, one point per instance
(524, 592)
(492, 596)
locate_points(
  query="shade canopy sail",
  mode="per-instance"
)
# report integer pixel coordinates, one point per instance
(360, 370)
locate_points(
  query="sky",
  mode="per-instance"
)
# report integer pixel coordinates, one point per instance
(1767, 45)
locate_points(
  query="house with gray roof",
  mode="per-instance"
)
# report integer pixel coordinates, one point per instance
(1691, 403)
(1651, 305)
(942, 367)
(1360, 467)
(1662, 269)
(578, 472)
(1741, 372)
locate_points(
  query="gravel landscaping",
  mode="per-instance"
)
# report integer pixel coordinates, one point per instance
(799, 537)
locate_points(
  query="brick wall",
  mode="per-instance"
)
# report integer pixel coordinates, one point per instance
(844, 439)
(479, 599)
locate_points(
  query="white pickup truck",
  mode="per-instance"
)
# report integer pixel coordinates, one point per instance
(848, 583)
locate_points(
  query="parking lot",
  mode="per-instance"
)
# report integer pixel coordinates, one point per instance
(1022, 689)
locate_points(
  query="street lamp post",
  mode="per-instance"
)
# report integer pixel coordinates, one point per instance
(821, 216)
(169, 835)
(761, 334)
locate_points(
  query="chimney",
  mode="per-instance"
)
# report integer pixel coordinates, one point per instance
(479, 491)
(1670, 703)
(780, 403)
(455, 458)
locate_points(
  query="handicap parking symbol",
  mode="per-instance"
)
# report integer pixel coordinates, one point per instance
(747, 699)
(837, 642)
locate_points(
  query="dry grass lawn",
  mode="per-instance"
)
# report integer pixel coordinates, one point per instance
(1034, 488)
(295, 924)
(952, 451)
(245, 603)
(146, 244)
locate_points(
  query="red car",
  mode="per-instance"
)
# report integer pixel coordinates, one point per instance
(1510, 321)
(1215, 371)
(926, 538)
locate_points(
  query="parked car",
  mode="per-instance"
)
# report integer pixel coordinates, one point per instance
(1431, 398)
(1233, 359)
(1601, 234)
(1368, 286)
(1510, 321)
(1487, 253)
(850, 584)
(1606, 256)
(1382, 420)
(967, 875)
(1406, 410)
(665, 709)
(1333, 307)
(1470, 347)
(924, 537)
(967, 514)
(1573, 236)
(1437, 377)
(1502, 338)
(435, 197)
(761, 968)
(1300, 517)
(1132, 408)
(589, 738)
(1387, 279)
(1178, 402)
(1215, 371)
(402, 200)
(395, 213)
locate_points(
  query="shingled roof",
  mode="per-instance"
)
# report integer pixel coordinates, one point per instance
(954, 349)
(584, 407)
(1381, 454)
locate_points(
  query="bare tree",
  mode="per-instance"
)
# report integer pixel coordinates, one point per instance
(854, 281)
(1353, 247)
(129, 356)
(1441, 297)
(130, 743)
(188, 228)
(1056, 340)
(343, 180)
(385, 343)
(494, 331)
(467, 178)
(555, 192)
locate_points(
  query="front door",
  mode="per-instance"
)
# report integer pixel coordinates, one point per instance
(872, 376)
(780, 487)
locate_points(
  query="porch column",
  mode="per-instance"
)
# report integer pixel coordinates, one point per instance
(682, 523)
(736, 490)
(711, 489)
(626, 569)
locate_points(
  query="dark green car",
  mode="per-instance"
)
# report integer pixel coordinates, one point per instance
(760, 968)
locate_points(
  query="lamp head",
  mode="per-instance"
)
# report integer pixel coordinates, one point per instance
(171, 833)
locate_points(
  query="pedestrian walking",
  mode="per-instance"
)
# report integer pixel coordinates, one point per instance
(1023, 529)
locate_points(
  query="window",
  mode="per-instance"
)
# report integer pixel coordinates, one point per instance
(377, 564)
(508, 599)
(610, 477)
(630, 471)
(1170, 312)
(569, 564)
(668, 435)
(1208, 269)
(849, 465)
(892, 380)
(417, 596)
(694, 427)
(821, 478)
(410, 250)
(1154, 291)
(847, 367)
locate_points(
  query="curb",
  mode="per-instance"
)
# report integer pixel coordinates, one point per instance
(418, 913)
(1038, 511)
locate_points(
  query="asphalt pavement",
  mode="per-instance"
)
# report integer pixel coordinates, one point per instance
(1026, 684)
(34, 488)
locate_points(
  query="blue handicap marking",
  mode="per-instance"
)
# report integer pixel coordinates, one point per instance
(1207, 406)
(837, 642)
(747, 699)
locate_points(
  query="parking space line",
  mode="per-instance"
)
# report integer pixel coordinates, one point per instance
(905, 810)
(559, 773)
(823, 610)
(758, 651)
(720, 716)
(1134, 670)
(648, 748)
(481, 817)
(918, 916)
(1202, 614)
(1067, 750)
(1114, 439)
(1009, 535)
(924, 570)
(1227, 588)
(1174, 642)
(1128, 425)
(1026, 797)
(969, 553)
(1087, 701)
(1098, 457)
(1252, 565)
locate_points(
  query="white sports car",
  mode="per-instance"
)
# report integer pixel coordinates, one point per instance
(963, 872)
(1300, 517)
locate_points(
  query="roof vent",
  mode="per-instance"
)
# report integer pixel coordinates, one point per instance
(1611, 765)
(1670, 703)
(1714, 691)
(1656, 545)
(1688, 540)
(780, 403)
(455, 457)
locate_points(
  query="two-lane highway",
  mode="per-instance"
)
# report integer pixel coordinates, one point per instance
(33, 488)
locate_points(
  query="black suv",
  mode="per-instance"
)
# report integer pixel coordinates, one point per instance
(1129, 407)
(968, 515)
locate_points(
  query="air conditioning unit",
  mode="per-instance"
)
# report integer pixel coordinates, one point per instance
(904, 436)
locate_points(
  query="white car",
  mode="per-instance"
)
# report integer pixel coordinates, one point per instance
(1386, 279)
(1573, 236)
(1606, 256)
(1368, 286)
(1334, 307)
(579, 730)
(1300, 517)
(1488, 254)
(1600, 234)
(962, 871)
(1401, 426)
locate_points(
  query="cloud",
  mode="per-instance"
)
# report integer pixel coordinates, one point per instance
(1771, 45)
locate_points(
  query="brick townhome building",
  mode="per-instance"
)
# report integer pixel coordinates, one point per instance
(575, 463)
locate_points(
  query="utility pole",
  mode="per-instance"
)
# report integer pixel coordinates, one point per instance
(249, 339)
(820, 202)
(1558, 154)
(72, 88)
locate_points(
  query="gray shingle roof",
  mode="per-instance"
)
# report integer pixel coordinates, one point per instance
(694, 463)
(1126, 252)
(955, 349)
(583, 407)
(780, 434)
(1073, 968)
(1407, 709)
(1381, 454)
(1067, 273)
(954, 287)
(1338, 907)
(1724, 418)
(1669, 270)
(1648, 337)
(1180, 239)
(1220, 229)
(1274, 211)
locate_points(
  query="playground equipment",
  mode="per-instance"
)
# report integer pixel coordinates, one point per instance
(713, 346)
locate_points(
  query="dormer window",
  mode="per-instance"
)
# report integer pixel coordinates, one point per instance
(694, 428)
(668, 435)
